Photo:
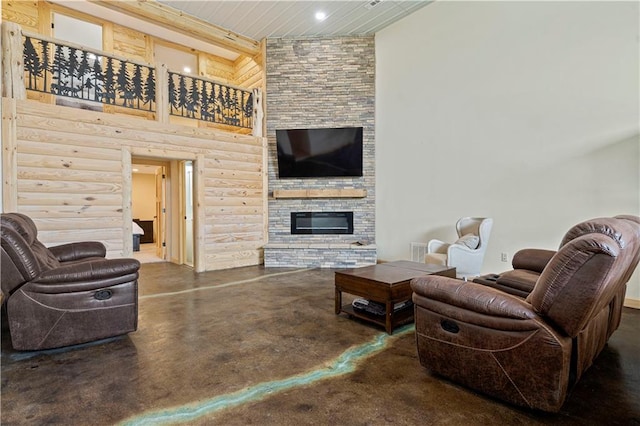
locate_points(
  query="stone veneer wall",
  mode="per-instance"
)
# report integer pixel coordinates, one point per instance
(314, 83)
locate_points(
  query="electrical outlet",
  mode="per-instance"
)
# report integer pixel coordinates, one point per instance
(503, 257)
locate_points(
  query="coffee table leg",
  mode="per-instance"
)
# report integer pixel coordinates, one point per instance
(389, 322)
(338, 301)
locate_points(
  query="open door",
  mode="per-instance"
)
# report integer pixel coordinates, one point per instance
(187, 210)
(161, 212)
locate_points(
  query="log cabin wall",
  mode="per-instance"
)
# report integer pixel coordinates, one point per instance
(70, 170)
(248, 72)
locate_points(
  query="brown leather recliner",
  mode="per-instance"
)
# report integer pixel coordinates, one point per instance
(531, 351)
(529, 263)
(63, 295)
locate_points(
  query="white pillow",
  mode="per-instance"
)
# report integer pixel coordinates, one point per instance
(469, 240)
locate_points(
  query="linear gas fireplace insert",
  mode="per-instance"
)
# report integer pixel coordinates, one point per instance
(322, 222)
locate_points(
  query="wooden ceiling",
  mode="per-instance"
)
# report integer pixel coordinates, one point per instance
(265, 19)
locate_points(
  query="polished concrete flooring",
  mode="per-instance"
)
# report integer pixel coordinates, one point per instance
(262, 346)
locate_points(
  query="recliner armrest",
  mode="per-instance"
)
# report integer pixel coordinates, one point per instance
(105, 271)
(532, 259)
(77, 251)
(472, 297)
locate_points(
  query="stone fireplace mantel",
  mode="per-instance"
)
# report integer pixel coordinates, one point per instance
(320, 193)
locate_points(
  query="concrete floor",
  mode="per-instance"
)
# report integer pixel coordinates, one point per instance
(263, 346)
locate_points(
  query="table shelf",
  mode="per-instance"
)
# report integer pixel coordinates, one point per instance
(401, 317)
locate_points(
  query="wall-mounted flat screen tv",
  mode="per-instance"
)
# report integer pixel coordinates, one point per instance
(331, 152)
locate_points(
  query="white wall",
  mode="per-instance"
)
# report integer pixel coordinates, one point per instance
(526, 112)
(143, 196)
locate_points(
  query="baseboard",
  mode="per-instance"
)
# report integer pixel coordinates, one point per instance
(632, 303)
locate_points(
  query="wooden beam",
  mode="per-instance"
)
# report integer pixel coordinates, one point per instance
(199, 214)
(127, 204)
(9, 156)
(12, 62)
(320, 193)
(162, 94)
(181, 22)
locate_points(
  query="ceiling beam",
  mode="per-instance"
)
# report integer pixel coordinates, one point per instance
(184, 23)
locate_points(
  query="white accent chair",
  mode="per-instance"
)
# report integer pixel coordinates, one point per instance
(467, 253)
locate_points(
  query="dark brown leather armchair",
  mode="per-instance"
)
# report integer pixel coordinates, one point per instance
(531, 351)
(529, 263)
(63, 295)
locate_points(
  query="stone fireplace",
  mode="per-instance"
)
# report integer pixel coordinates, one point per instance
(321, 83)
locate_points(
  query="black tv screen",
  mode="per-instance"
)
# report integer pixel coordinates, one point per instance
(332, 152)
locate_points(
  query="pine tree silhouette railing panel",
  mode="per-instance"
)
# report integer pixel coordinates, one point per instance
(75, 72)
(207, 100)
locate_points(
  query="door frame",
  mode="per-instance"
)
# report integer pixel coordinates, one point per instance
(163, 199)
(182, 182)
(171, 160)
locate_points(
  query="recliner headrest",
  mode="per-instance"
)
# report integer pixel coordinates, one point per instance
(22, 224)
(603, 225)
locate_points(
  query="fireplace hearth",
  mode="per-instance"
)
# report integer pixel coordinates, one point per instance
(322, 223)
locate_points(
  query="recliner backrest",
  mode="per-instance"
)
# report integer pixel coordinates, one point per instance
(635, 222)
(602, 225)
(614, 227)
(27, 229)
(23, 256)
(19, 264)
(585, 273)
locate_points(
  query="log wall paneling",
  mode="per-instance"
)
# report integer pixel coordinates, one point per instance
(130, 43)
(218, 69)
(248, 73)
(72, 174)
(23, 13)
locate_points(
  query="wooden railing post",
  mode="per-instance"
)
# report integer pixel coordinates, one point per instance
(9, 156)
(162, 93)
(258, 113)
(12, 61)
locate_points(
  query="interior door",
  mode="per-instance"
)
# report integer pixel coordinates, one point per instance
(161, 212)
(187, 207)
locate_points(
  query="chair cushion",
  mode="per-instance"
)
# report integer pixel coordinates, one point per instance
(469, 240)
(436, 258)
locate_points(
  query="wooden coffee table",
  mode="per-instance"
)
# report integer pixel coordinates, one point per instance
(387, 283)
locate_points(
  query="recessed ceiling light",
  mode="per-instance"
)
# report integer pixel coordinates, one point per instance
(321, 16)
(135, 170)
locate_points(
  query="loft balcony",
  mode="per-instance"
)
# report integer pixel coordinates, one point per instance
(66, 74)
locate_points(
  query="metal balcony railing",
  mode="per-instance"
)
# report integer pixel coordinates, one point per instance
(203, 99)
(72, 71)
(75, 72)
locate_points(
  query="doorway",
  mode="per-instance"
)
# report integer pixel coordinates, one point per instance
(162, 196)
(148, 199)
